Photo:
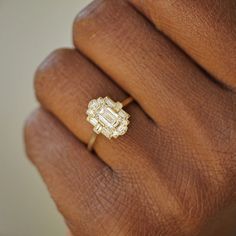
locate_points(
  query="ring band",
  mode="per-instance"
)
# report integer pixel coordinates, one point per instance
(92, 141)
(108, 118)
(127, 101)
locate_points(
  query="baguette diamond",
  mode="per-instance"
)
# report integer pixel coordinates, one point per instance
(107, 117)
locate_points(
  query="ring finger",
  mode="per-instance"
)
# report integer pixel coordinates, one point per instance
(65, 83)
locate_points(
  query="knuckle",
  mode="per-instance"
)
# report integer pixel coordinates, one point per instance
(46, 76)
(32, 129)
(101, 19)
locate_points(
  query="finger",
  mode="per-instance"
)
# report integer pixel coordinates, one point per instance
(142, 61)
(69, 234)
(66, 82)
(73, 175)
(206, 30)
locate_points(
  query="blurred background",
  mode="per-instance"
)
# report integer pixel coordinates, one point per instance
(30, 30)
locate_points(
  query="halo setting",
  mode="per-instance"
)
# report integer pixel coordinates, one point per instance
(107, 117)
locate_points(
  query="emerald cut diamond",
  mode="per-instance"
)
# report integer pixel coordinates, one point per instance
(107, 117)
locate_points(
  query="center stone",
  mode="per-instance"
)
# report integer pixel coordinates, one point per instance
(108, 117)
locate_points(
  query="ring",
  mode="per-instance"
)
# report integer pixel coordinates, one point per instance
(108, 118)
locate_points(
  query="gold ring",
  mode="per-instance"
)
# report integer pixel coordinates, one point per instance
(108, 118)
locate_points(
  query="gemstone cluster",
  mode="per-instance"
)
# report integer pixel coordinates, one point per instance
(107, 117)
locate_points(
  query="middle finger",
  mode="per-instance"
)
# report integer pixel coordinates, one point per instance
(164, 81)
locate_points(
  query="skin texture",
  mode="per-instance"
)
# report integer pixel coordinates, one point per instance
(174, 172)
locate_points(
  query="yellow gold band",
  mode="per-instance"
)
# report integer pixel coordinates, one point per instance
(92, 141)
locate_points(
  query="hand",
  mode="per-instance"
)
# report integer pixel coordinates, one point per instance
(174, 172)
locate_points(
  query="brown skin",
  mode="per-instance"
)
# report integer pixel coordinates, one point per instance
(174, 172)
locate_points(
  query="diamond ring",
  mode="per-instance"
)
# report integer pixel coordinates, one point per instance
(108, 118)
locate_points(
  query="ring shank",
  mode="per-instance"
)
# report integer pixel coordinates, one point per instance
(127, 101)
(93, 138)
(92, 141)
